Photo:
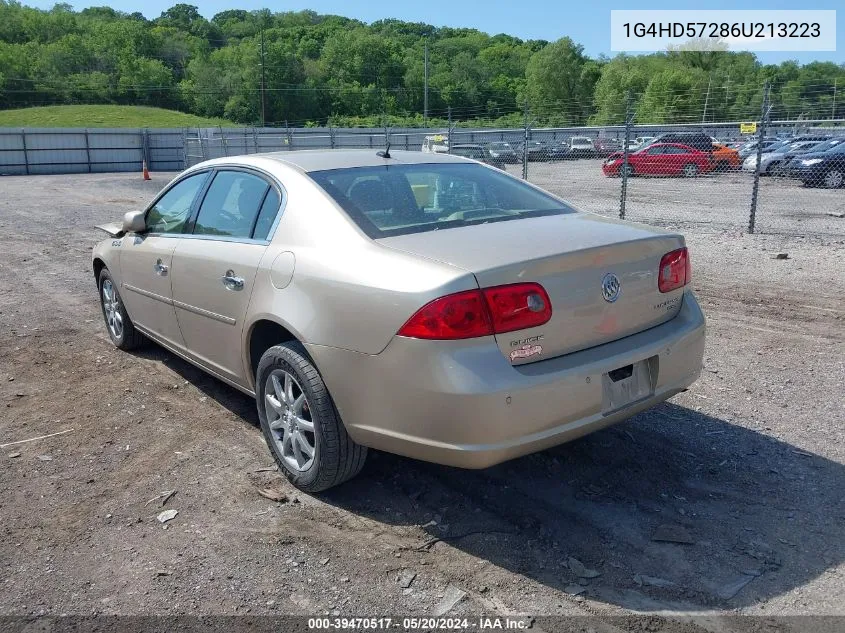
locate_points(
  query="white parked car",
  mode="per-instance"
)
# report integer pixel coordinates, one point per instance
(581, 146)
(436, 144)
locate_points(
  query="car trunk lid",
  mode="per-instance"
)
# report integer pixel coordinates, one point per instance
(579, 259)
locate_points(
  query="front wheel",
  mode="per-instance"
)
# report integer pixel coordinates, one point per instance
(121, 330)
(626, 170)
(690, 170)
(300, 422)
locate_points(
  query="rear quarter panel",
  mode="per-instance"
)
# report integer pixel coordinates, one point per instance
(345, 290)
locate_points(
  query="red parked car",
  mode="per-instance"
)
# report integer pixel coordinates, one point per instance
(661, 159)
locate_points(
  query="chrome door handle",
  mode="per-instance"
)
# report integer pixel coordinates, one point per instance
(160, 268)
(231, 281)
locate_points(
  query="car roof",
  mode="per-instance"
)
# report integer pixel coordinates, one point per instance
(323, 159)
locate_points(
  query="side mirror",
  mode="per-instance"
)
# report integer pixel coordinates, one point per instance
(133, 222)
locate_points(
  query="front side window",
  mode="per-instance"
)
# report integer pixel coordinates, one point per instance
(171, 211)
(400, 199)
(653, 151)
(231, 205)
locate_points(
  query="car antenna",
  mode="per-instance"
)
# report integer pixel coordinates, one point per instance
(385, 153)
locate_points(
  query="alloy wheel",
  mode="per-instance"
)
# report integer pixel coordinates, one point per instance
(833, 179)
(289, 419)
(112, 308)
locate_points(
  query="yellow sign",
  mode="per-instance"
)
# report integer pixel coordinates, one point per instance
(438, 137)
(748, 128)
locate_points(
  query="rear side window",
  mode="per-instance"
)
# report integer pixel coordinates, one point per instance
(231, 206)
(267, 215)
(169, 213)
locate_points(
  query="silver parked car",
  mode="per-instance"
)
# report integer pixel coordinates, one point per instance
(422, 304)
(774, 161)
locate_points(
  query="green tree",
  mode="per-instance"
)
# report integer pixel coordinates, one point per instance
(555, 82)
(673, 95)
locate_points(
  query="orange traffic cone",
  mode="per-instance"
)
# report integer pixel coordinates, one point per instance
(145, 170)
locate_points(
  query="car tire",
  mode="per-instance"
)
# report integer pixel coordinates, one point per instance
(723, 166)
(690, 170)
(833, 179)
(121, 330)
(335, 456)
(623, 170)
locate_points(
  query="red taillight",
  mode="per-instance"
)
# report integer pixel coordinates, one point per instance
(675, 270)
(518, 306)
(476, 313)
(461, 315)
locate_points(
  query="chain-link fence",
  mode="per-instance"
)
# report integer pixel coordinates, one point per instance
(762, 176)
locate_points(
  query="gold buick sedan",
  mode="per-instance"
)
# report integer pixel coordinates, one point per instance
(417, 303)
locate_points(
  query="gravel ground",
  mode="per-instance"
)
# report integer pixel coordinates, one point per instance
(727, 499)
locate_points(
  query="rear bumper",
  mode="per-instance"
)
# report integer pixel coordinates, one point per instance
(461, 403)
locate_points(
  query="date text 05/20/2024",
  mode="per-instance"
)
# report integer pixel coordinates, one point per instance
(421, 623)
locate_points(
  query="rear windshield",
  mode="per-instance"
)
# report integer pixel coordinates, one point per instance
(399, 199)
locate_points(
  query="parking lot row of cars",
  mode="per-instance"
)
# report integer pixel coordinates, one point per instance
(816, 160)
(502, 152)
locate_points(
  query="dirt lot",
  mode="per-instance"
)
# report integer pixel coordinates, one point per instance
(747, 468)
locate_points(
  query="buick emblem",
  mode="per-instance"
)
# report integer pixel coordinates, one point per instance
(610, 287)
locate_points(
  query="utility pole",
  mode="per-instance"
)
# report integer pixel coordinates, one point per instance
(706, 100)
(833, 105)
(263, 120)
(425, 89)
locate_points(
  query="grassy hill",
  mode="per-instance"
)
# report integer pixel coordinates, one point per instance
(104, 116)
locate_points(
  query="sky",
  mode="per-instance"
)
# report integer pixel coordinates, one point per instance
(588, 23)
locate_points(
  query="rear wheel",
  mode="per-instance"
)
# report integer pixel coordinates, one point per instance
(690, 170)
(626, 170)
(300, 422)
(118, 324)
(774, 169)
(833, 179)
